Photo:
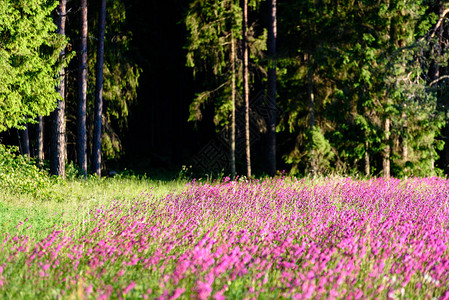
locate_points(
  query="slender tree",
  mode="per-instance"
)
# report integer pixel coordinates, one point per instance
(81, 141)
(366, 158)
(40, 139)
(214, 46)
(120, 77)
(99, 92)
(246, 87)
(57, 159)
(387, 149)
(311, 106)
(271, 93)
(233, 93)
(436, 70)
(25, 141)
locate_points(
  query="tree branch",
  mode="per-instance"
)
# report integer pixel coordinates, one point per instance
(438, 79)
(440, 21)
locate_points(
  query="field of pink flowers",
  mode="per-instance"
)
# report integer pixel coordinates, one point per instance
(277, 238)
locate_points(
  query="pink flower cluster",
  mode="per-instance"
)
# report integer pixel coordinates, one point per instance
(281, 238)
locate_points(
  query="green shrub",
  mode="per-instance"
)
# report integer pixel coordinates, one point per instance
(21, 175)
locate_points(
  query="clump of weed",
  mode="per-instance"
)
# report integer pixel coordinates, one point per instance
(21, 175)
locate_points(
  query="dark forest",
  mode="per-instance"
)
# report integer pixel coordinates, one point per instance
(359, 88)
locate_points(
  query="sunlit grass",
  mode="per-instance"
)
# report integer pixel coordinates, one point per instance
(275, 238)
(74, 199)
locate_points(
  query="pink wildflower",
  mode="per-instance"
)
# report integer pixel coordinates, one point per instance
(203, 289)
(129, 287)
(178, 292)
(89, 289)
(219, 296)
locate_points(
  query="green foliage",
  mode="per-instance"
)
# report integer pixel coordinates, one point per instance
(366, 69)
(212, 28)
(20, 175)
(120, 78)
(29, 61)
(320, 151)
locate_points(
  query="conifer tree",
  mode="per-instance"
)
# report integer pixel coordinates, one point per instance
(99, 92)
(246, 87)
(120, 78)
(214, 27)
(40, 140)
(57, 160)
(29, 60)
(271, 88)
(81, 141)
(25, 141)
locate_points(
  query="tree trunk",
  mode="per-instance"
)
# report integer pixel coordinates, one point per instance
(367, 164)
(434, 76)
(311, 106)
(386, 152)
(404, 137)
(25, 141)
(233, 55)
(40, 140)
(81, 138)
(246, 87)
(99, 92)
(57, 158)
(432, 162)
(271, 47)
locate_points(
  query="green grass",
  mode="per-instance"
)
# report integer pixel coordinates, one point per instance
(73, 200)
(133, 239)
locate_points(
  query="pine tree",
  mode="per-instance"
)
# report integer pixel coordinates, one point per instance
(25, 141)
(233, 104)
(246, 87)
(271, 89)
(81, 141)
(29, 58)
(120, 78)
(214, 27)
(57, 160)
(40, 140)
(99, 92)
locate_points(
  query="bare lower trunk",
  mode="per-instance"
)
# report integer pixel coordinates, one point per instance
(233, 173)
(40, 140)
(96, 163)
(386, 152)
(311, 106)
(367, 164)
(57, 159)
(432, 162)
(25, 141)
(271, 47)
(81, 138)
(246, 87)
(404, 141)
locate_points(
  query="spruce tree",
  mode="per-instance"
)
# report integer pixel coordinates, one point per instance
(271, 88)
(214, 28)
(96, 160)
(29, 60)
(58, 143)
(81, 140)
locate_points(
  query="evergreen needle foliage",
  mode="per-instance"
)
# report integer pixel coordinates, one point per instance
(29, 61)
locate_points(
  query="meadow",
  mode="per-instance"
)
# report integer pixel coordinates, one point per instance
(334, 238)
